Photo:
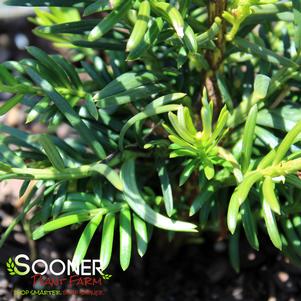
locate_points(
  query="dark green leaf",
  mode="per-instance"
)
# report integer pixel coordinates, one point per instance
(68, 112)
(141, 234)
(125, 229)
(85, 240)
(107, 240)
(166, 189)
(137, 204)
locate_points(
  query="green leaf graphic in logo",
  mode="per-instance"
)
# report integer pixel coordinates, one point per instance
(11, 267)
(105, 276)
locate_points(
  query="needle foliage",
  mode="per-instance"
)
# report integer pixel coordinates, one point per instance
(184, 115)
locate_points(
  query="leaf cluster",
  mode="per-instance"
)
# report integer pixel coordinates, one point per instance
(177, 108)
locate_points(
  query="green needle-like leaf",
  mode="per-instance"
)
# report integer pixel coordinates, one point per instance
(249, 225)
(9, 104)
(140, 27)
(291, 235)
(60, 223)
(261, 86)
(271, 224)
(107, 240)
(148, 41)
(68, 112)
(233, 210)
(156, 107)
(286, 143)
(187, 171)
(99, 6)
(125, 230)
(137, 204)
(109, 21)
(234, 250)
(166, 189)
(262, 52)
(204, 196)
(51, 152)
(248, 138)
(126, 82)
(170, 14)
(85, 240)
(91, 107)
(5, 167)
(50, 64)
(297, 22)
(141, 234)
(268, 190)
(109, 173)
